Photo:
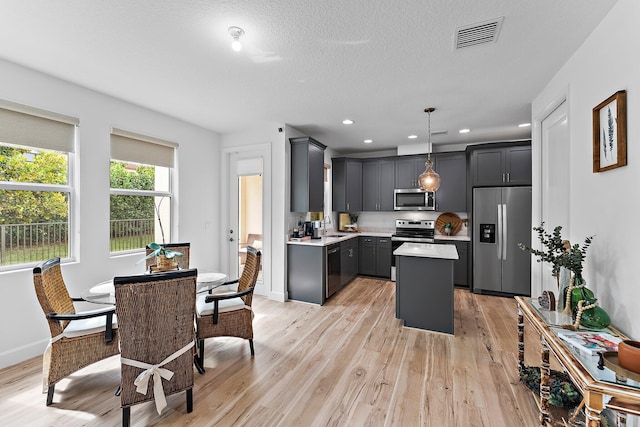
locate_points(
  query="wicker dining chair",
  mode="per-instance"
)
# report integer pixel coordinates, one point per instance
(157, 337)
(182, 261)
(78, 339)
(229, 313)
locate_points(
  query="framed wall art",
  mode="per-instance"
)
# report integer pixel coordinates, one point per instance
(610, 133)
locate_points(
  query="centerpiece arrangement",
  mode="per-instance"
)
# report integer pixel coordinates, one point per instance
(574, 297)
(164, 257)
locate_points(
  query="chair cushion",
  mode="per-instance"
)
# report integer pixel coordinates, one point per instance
(206, 309)
(80, 327)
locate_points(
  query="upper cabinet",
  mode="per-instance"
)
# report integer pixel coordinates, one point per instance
(408, 168)
(347, 184)
(501, 165)
(452, 194)
(378, 178)
(307, 175)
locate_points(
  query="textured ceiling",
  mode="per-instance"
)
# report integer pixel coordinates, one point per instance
(309, 64)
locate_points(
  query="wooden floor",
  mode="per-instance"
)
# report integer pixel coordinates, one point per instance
(348, 363)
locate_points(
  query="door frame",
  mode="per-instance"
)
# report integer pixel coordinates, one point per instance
(538, 180)
(246, 152)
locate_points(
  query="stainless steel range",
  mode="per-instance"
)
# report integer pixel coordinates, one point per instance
(409, 230)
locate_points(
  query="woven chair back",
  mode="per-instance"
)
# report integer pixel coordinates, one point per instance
(182, 261)
(250, 273)
(155, 319)
(52, 293)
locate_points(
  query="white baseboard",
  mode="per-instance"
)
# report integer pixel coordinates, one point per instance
(20, 354)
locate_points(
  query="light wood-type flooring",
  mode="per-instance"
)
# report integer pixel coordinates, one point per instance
(347, 363)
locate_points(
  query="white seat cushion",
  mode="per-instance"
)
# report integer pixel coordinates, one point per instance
(77, 328)
(225, 305)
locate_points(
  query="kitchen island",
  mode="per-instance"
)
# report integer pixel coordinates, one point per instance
(424, 285)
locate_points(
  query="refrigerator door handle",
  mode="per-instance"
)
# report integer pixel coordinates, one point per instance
(505, 227)
(499, 231)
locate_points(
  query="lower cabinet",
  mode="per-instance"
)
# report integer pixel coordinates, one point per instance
(460, 266)
(375, 257)
(307, 273)
(348, 261)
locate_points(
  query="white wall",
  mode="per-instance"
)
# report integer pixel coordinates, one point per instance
(606, 203)
(197, 163)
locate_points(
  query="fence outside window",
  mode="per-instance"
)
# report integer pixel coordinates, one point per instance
(29, 243)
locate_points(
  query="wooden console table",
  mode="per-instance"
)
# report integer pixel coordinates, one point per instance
(594, 383)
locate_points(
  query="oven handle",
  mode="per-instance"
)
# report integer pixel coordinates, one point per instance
(413, 239)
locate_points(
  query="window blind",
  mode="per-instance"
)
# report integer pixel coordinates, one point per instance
(32, 127)
(132, 147)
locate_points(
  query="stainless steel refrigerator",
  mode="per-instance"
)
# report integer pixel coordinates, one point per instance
(501, 219)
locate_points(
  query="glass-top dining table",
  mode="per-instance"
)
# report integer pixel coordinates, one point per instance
(104, 292)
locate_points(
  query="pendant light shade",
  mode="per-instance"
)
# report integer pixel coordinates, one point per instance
(429, 180)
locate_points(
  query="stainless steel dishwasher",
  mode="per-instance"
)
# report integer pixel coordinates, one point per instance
(333, 269)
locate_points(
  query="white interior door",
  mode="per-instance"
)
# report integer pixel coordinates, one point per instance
(556, 165)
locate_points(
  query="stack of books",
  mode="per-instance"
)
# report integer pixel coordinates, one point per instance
(589, 342)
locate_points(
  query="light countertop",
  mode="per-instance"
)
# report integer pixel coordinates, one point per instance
(459, 238)
(427, 250)
(337, 237)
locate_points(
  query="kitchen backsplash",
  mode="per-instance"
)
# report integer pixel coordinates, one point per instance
(382, 221)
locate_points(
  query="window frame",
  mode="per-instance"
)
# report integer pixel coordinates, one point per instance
(70, 188)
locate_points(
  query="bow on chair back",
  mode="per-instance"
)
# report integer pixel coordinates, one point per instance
(155, 317)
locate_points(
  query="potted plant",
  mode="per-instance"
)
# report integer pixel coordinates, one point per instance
(553, 249)
(164, 257)
(448, 228)
(353, 217)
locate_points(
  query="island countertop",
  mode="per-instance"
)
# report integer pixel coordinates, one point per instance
(427, 250)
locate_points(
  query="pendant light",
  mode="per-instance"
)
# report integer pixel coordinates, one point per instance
(429, 180)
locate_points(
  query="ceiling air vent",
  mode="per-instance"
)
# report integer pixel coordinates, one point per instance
(480, 33)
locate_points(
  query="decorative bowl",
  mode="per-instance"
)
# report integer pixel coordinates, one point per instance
(629, 355)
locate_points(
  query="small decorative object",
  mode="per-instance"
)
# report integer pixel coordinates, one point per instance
(353, 217)
(610, 133)
(448, 227)
(547, 300)
(629, 355)
(562, 392)
(164, 257)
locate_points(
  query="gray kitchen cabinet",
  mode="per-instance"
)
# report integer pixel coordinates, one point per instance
(452, 195)
(378, 176)
(500, 165)
(408, 168)
(375, 256)
(367, 261)
(307, 273)
(349, 260)
(347, 184)
(460, 265)
(307, 175)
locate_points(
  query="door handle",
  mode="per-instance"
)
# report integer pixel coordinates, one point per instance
(504, 231)
(499, 231)
(508, 177)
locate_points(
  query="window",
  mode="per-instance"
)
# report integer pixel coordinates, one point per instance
(141, 190)
(36, 191)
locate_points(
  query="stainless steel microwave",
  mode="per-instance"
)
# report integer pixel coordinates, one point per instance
(413, 199)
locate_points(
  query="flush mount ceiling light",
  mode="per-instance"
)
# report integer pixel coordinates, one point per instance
(236, 33)
(368, 141)
(464, 131)
(429, 180)
(347, 122)
(412, 136)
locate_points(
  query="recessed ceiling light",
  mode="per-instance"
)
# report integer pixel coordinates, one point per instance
(347, 122)
(524, 125)
(412, 136)
(368, 141)
(464, 130)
